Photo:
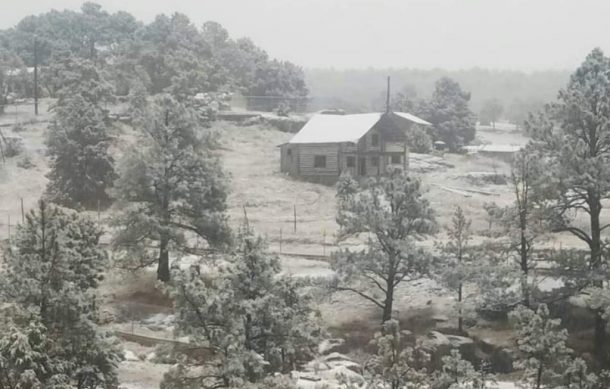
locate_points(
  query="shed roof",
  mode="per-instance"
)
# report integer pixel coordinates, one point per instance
(413, 118)
(343, 128)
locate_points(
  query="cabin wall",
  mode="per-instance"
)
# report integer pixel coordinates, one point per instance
(307, 155)
(289, 159)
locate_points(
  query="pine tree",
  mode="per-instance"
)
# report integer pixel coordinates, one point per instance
(457, 259)
(520, 226)
(395, 365)
(254, 321)
(574, 137)
(524, 221)
(79, 137)
(541, 342)
(393, 211)
(171, 190)
(52, 274)
(447, 110)
(458, 373)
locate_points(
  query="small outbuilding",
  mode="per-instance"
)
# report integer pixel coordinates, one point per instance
(369, 144)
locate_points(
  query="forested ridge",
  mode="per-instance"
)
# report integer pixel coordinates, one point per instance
(169, 52)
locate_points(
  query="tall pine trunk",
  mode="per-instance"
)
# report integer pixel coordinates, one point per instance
(460, 315)
(163, 265)
(524, 260)
(596, 258)
(389, 301)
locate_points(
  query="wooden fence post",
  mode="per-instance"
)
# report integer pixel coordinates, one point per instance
(295, 218)
(324, 242)
(22, 212)
(9, 229)
(280, 240)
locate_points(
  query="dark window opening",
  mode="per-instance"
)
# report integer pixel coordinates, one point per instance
(289, 152)
(350, 161)
(374, 161)
(375, 140)
(396, 159)
(319, 161)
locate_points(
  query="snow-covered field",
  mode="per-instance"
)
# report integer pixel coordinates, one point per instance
(251, 156)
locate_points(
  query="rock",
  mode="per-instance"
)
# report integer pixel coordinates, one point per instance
(130, 356)
(333, 357)
(500, 357)
(439, 345)
(329, 345)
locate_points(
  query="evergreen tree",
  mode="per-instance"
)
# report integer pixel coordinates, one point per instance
(171, 190)
(392, 210)
(395, 365)
(574, 137)
(52, 274)
(458, 373)
(255, 321)
(524, 221)
(447, 110)
(541, 343)
(457, 257)
(78, 138)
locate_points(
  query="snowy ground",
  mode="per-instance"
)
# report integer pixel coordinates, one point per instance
(251, 156)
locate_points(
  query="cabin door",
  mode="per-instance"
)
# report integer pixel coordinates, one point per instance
(362, 166)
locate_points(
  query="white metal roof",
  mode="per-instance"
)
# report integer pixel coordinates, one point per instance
(494, 148)
(343, 128)
(336, 128)
(413, 118)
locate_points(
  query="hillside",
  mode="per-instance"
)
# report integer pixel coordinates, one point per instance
(251, 157)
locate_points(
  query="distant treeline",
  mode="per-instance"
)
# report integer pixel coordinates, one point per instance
(363, 90)
(169, 54)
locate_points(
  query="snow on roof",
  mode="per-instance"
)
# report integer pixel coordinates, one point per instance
(336, 128)
(494, 148)
(322, 128)
(413, 118)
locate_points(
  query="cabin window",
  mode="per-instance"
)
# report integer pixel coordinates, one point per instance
(350, 161)
(396, 159)
(289, 152)
(375, 140)
(319, 161)
(374, 161)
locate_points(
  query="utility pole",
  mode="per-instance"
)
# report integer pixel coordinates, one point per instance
(35, 75)
(387, 98)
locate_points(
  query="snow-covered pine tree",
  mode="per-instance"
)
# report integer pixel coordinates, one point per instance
(171, 190)
(542, 344)
(452, 120)
(395, 365)
(524, 221)
(52, 271)
(24, 358)
(253, 321)
(574, 137)
(393, 212)
(456, 259)
(78, 138)
(458, 373)
(519, 226)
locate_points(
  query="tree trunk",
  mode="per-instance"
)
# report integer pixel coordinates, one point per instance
(389, 302)
(525, 262)
(163, 265)
(460, 318)
(596, 263)
(539, 376)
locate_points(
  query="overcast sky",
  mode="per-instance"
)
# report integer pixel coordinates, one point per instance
(454, 34)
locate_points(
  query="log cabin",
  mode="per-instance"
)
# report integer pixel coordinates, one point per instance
(362, 145)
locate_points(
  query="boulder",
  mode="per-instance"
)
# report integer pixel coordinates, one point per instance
(439, 345)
